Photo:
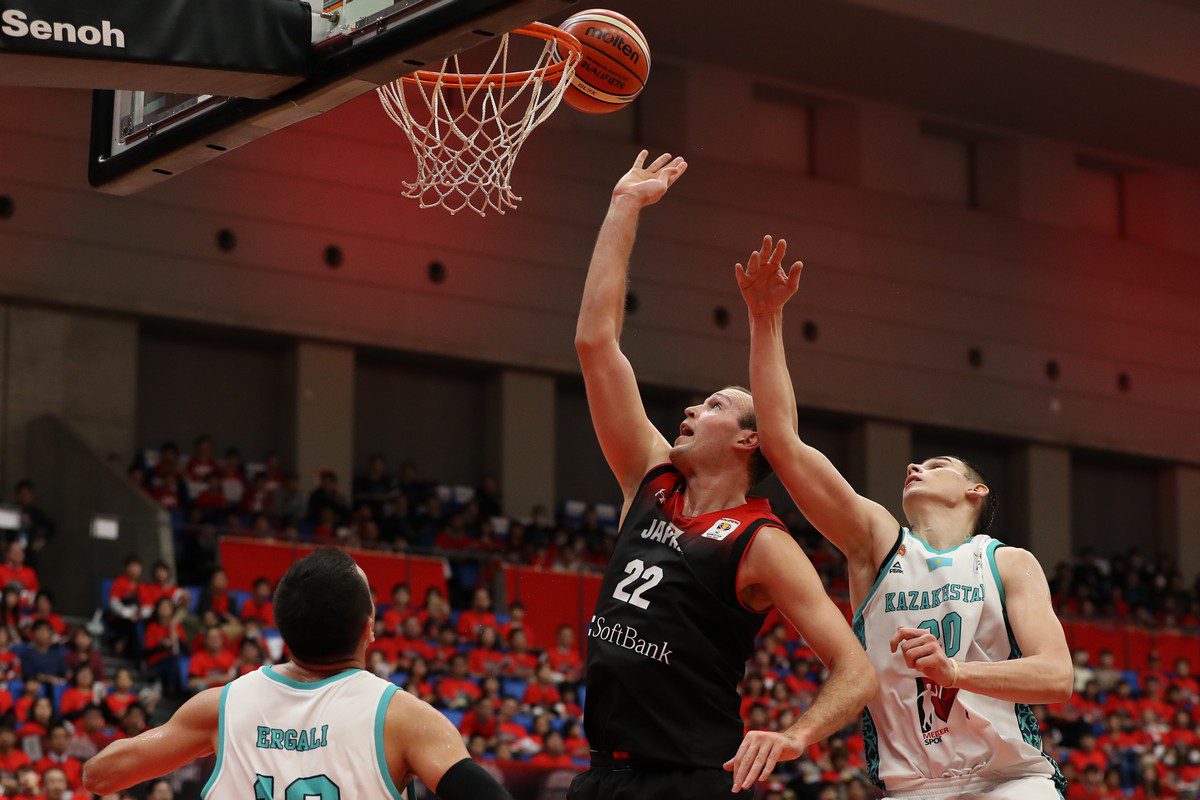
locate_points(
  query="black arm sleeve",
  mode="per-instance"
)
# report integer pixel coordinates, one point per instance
(466, 780)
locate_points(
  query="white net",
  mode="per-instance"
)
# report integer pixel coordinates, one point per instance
(467, 130)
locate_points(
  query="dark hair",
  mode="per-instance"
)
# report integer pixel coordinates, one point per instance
(760, 468)
(987, 510)
(322, 605)
(24, 484)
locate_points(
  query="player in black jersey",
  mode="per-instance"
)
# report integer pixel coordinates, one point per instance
(696, 566)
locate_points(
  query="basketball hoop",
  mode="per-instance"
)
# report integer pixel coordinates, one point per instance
(467, 130)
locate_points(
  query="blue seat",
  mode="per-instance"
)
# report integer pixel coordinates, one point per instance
(399, 678)
(524, 720)
(511, 687)
(239, 597)
(455, 717)
(194, 598)
(105, 590)
(184, 663)
(56, 695)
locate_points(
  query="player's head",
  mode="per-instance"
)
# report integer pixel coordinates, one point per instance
(721, 430)
(323, 608)
(949, 482)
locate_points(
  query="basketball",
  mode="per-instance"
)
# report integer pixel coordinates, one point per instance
(615, 65)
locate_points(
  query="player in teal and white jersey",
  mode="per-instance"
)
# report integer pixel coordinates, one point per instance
(959, 627)
(320, 727)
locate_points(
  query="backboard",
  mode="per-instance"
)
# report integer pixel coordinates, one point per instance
(140, 138)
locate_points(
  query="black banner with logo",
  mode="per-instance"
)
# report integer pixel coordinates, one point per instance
(271, 37)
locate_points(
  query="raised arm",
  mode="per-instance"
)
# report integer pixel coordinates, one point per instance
(1043, 673)
(860, 528)
(190, 734)
(776, 572)
(419, 740)
(630, 442)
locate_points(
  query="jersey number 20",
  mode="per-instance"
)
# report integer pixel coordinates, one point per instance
(636, 570)
(318, 786)
(950, 632)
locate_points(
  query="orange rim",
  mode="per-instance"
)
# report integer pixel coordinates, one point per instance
(537, 30)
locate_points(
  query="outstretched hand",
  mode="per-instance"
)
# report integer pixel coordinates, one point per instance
(758, 755)
(646, 185)
(765, 286)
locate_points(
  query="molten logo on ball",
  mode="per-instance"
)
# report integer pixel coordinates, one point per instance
(616, 41)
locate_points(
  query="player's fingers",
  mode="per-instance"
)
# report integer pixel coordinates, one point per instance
(753, 765)
(752, 264)
(660, 162)
(793, 277)
(926, 662)
(745, 760)
(902, 635)
(779, 252)
(676, 172)
(772, 760)
(640, 161)
(760, 759)
(736, 761)
(740, 273)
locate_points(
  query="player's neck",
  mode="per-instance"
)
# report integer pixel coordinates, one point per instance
(706, 493)
(311, 673)
(941, 528)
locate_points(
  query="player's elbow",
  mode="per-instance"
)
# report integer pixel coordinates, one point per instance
(97, 779)
(1063, 685)
(591, 340)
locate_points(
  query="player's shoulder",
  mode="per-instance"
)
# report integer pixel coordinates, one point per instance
(1015, 562)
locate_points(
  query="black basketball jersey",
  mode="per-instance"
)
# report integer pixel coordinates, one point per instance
(670, 638)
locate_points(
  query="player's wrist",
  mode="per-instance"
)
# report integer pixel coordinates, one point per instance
(624, 201)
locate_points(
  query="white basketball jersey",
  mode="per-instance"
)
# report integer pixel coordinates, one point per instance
(284, 740)
(918, 733)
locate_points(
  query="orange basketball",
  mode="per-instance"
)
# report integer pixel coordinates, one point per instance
(615, 65)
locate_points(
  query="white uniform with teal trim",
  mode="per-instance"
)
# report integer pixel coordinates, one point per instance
(922, 739)
(284, 740)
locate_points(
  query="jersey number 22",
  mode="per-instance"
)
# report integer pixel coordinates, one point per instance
(637, 570)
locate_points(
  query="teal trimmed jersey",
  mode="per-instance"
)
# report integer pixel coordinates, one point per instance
(280, 739)
(919, 735)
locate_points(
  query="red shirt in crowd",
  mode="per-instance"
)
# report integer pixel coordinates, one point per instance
(264, 612)
(198, 467)
(10, 666)
(483, 660)
(472, 724)
(13, 760)
(414, 648)
(565, 662)
(158, 641)
(469, 622)
(515, 662)
(125, 590)
(394, 618)
(117, 702)
(536, 694)
(205, 663)
(451, 688)
(74, 701)
(25, 577)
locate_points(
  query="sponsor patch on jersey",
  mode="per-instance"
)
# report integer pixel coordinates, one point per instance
(897, 569)
(660, 496)
(934, 704)
(937, 562)
(721, 528)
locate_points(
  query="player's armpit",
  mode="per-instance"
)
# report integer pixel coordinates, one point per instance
(775, 568)
(189, 734)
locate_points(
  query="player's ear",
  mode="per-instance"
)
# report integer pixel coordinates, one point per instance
(747, 440)
(979, 491)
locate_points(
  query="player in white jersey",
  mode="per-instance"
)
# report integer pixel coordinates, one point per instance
(959, 627)
(320, 726)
